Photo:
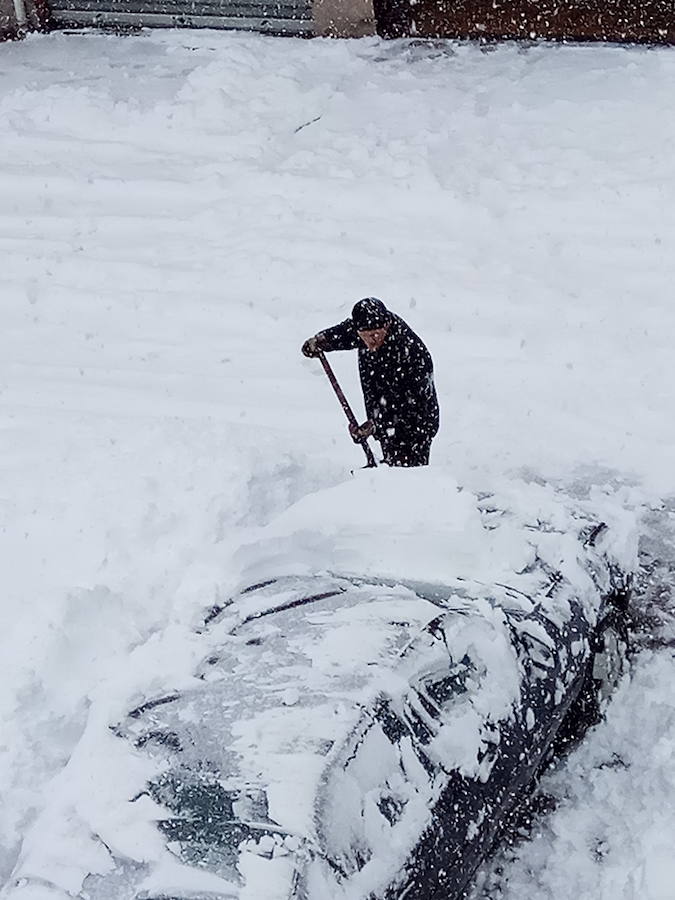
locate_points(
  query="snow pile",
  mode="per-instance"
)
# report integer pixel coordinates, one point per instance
(405, 524)
(421, 525)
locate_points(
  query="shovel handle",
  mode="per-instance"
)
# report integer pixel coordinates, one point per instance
(344, 403)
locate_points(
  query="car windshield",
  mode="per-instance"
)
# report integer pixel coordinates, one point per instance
(207, 824)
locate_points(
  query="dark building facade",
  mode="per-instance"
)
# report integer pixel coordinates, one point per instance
(624, 21)
(629, 21)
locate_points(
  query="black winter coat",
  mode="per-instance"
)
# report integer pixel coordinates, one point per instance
(397, 380)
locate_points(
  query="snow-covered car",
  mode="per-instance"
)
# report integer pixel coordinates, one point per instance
(368, 735)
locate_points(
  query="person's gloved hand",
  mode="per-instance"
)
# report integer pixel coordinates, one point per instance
(312, 346)
(360, 433)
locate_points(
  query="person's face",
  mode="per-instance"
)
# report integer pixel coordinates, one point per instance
(374, 338)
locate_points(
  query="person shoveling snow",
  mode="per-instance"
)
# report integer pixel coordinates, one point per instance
(397, 379)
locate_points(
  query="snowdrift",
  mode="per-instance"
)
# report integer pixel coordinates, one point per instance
(398, 663)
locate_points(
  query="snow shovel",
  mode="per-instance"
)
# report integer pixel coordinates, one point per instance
(344, 403)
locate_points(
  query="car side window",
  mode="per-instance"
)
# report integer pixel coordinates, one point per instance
(446, 687)
(435, 692)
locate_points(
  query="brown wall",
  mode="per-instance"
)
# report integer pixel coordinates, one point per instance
(344, 18)
(645, 21)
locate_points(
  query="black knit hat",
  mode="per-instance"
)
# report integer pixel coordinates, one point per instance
(369, 314)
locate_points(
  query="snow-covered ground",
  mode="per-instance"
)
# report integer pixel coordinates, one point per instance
(178, 211)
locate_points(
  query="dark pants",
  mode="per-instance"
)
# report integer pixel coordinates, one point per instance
(406, 450)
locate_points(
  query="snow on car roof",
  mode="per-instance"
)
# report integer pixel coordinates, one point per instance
(419, 526)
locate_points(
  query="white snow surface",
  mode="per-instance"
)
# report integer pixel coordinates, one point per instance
(178, 211)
